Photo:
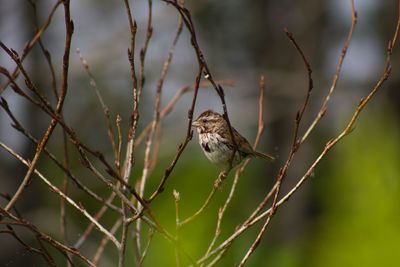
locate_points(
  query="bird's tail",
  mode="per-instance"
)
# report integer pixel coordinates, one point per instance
(264, 156)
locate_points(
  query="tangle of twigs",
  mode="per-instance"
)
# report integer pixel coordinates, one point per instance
(131, 199)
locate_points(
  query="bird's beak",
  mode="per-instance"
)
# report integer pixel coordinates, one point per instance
(195, 124)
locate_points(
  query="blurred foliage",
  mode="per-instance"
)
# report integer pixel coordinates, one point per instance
(359, 195)
(356, 190)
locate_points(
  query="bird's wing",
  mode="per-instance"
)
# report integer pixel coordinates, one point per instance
(242, 143)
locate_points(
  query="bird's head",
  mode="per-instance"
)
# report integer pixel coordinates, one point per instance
(207, 121)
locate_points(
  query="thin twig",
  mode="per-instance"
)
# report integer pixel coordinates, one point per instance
(91, 226)
(63, 211)
(294, 148)
(64, 249)
(118, 122)
(146, 248)
(239, 171)
(336, 76)
(80, 208)
(217, 258)
(64, 86)
(104, 107)
(45, 52)
(31, 43)
(124, 237)
(222, 175)
(182, 146)
(186, 17)
(295, 141)
(257, 241)
(177, 198)
(300, 112)
(43, 101)
(129, 159)
(104, 242)
(172, 103)
(130, 150)
(46, 256)
(143, 51)
(329, 145)
(156, 149)
(81, 147)
(156, 111)
(17, 125)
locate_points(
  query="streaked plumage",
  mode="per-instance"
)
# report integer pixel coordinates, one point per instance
(216, 142)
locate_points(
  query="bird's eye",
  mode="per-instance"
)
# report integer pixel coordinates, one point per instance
(204, 120)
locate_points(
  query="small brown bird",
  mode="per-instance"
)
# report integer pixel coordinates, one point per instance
(216, 142)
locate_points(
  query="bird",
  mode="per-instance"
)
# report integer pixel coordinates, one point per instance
(216, 142)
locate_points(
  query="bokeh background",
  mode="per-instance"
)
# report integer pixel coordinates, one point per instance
(347, 214)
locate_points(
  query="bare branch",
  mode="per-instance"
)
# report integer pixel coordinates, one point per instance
(222, 175)
(104, 107)
(80, 208)
(238, 173)
(64, 249)
(40, 251)
(329, 145)
(174, 100)
(182, 146)
(156, 111)
(17, 125)
(346, 44)
(104, 242)
(31, 43)
(64, 86)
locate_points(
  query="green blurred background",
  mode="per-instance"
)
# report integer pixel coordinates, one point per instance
(347, 214)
